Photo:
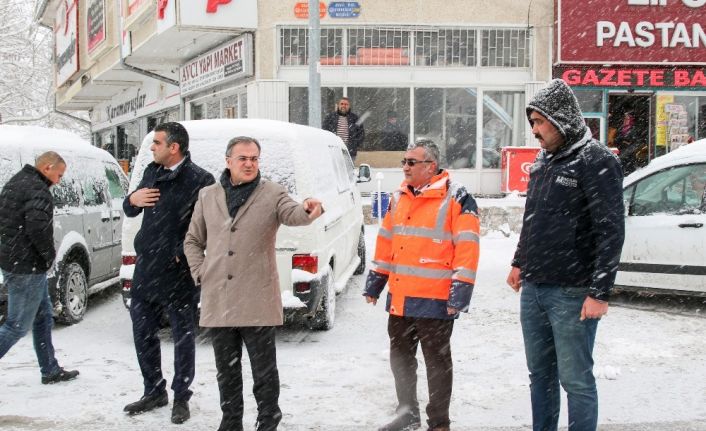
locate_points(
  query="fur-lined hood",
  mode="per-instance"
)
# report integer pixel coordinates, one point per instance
(558, 104)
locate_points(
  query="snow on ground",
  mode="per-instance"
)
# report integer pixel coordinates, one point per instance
(651, 366)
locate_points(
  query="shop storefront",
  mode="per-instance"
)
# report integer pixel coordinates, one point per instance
(639, 72)
(213, 85)
(120, 124)
(456, 72)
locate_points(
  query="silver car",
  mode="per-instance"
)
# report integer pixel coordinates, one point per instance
(88, 214)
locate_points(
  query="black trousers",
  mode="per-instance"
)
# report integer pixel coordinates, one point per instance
(145, 326)
(228, 348)
(406, 333)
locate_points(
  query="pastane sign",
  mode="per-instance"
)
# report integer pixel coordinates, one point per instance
(66, 41)
(631, 31)
(228, 62)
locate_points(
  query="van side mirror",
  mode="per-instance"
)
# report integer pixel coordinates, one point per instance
(363, 173)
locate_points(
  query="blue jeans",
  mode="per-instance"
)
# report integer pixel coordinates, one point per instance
(29, 306)
(559, 349)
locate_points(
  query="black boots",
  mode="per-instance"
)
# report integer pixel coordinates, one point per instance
(180, 412)
(62, 376)
(147, 403)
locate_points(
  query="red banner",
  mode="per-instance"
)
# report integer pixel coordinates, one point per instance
(631, 31)
(636, 76)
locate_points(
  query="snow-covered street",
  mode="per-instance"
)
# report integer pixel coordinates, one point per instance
(651, 367)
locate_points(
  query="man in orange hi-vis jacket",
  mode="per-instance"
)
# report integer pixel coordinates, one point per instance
(427, 253)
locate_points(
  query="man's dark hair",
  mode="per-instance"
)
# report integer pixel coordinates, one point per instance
(241, 140)
(176, 134)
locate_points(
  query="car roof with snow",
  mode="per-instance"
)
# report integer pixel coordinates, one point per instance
(30, 137)
(287, 148)
(686, 154)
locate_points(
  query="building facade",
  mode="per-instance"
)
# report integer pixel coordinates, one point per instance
(638, 68)
(457, 72)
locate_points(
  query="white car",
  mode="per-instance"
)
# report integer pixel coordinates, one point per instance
(665, 224)
(314, 262)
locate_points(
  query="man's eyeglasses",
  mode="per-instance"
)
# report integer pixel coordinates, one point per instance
(412, 162)
(243, 159)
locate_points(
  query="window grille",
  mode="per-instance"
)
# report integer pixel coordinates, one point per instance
(445, 47)
(409, 46)
(505, 48)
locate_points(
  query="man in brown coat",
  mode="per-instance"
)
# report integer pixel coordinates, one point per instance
(236, 222)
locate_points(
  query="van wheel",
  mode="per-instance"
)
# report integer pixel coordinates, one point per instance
(326, 314)
(361, 254)
(73, 293)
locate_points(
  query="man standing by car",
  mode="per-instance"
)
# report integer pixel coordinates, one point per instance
(567, 257)
(344, 124)
(26, 254)
(236, 223)
(427, 253)
(162, 282)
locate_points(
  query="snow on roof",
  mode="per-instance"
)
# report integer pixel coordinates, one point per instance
(689, 153)
(32, 135)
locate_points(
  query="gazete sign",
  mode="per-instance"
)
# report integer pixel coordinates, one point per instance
(677, 77)
(632, 31)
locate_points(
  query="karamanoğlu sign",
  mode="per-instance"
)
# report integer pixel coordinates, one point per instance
(626, 76)
(631, 31)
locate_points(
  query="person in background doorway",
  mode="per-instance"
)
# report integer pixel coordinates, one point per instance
(427, 254)
(567, 257)
(162, 283)
(26, 254)
(392, 137)
(345, 124)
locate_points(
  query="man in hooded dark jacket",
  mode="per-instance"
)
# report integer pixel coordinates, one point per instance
(162, 280)
(567, 257)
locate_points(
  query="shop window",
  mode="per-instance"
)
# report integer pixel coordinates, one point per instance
(590, 100)
(503, 124)
(384, 113)
(505, 48)
(230, 106)
(197, 111)
(445, 47)
(407, 46)
(299, 103)
(378, 46)
(294, 46)
(213, 109)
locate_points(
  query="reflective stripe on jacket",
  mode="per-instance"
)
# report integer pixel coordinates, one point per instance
(427, 250)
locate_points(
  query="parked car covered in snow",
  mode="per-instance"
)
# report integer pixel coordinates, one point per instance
(314, 262)
(88, 214)
(665, 224)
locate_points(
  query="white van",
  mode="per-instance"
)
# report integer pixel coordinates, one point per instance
(314, 262)
(88, 214)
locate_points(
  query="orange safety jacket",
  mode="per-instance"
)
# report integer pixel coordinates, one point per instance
(427, 250)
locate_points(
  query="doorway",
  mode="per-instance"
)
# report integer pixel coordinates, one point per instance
(630, 129)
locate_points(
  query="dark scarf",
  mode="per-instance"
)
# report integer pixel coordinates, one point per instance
(237, 195)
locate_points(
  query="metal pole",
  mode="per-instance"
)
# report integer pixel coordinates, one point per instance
(314, 54)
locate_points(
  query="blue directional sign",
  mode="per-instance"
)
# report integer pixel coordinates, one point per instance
(344, 9)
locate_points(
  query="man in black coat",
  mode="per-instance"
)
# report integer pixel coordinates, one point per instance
(344, 124)
(567, 257)
(26, 254)
(162, 280)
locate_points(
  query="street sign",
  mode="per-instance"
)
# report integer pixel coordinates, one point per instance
(344, 9)
(301, 10)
